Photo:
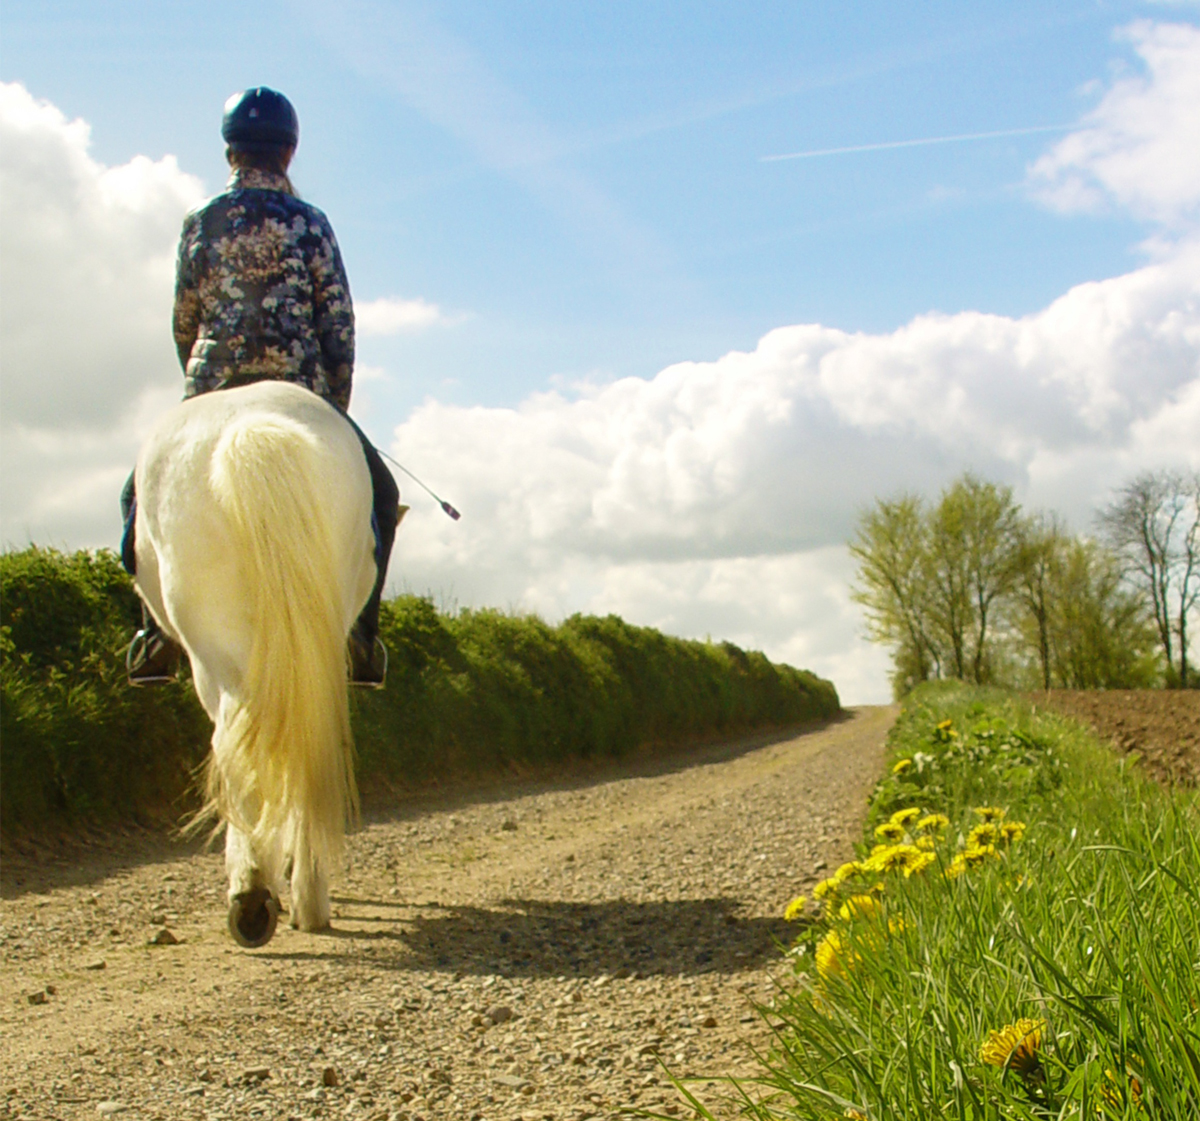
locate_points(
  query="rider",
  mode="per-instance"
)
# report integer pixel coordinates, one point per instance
(261, 294)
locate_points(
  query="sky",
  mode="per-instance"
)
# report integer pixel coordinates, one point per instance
(661, 296)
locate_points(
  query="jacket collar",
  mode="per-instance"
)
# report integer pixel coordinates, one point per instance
(255, 179)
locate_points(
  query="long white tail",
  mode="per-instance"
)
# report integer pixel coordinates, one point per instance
(283, 752)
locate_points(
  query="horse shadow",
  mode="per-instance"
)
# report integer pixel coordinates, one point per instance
(527, 938)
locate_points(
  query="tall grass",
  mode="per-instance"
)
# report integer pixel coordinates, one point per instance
(470, 692)
(954, 973)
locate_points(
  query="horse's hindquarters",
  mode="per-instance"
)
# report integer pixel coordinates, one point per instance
(255, 504)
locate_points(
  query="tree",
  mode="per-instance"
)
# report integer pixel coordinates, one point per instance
(1100, 633)
(891, 549)
(1154, 528)
(1042, 540)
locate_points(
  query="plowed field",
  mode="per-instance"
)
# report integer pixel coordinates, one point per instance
(1161, 725)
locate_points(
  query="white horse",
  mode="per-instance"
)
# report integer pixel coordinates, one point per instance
(255, 552)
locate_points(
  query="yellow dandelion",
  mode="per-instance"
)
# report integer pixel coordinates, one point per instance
(795, 909)
(977, 854)
(926, 844)
(905, 818)
(893, 858)
(1015, 1047)
(933, 823)
(902, 767)
(855, 1114)
(889, 831)
(859, 907)
(956, 867)
(835, 957)
(985, 834)
(1012, 831)
(945, 725)
(848, 870)
(1112, 1093)
(990, 813)
(918, 863)
(824, 887)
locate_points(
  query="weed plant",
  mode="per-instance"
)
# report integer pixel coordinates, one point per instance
(1018, 938)
(472, 692)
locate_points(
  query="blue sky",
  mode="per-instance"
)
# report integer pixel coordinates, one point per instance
(561, 198)
(582, 185)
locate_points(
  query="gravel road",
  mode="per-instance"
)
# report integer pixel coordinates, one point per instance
(523, 951)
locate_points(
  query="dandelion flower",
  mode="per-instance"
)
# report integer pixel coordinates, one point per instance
(859, 907)
(977, 854)
(1015, 1047)
(835, 958)
(956, 867)
(1112, 1094)
(926, 844)
(933, 823)
(1012, 831)
(894, 858)
(904, 818)
(902, 767)
(985, 834)
(990, 813)
(795, 909)
(847, 870)
(889, 831)
(918, 863)
(945, 725)
(824, 887)
(855, 1114)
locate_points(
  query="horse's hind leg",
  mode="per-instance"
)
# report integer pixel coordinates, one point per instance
(253, 900)
(310, 885)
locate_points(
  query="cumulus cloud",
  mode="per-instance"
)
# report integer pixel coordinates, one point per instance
(391, 315)
(717, 496)
(1140, 147)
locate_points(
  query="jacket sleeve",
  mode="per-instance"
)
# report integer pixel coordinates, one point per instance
(186, 318)
(334, 320)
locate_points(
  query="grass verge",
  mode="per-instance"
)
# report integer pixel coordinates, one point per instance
(479, 691)
(1018, 938)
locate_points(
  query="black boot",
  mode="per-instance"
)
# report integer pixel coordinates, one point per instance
(153, 658)
(368, 660)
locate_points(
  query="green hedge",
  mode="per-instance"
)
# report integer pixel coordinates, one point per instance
(480, 690)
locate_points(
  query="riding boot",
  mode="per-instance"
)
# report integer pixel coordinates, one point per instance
(368, 655)
(153, 658)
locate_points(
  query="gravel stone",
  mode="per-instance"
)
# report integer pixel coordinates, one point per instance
(657, 939)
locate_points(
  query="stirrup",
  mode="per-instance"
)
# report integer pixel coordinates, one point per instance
(152, 659)
(368, 669)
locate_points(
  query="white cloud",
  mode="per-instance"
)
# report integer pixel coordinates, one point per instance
(390, 315)
(1140, 147)
(716, 496)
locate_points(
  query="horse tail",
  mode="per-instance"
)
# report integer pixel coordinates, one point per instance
(283, 750)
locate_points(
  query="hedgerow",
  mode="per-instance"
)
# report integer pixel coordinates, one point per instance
(469, 692)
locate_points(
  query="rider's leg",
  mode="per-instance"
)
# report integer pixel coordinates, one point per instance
(152, 657)
(367, 655)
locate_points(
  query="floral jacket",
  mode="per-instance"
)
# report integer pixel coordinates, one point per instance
(261, 292)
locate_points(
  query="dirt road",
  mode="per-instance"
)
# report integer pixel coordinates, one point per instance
(519, 953)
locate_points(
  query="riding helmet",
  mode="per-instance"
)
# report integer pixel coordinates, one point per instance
(260, 118)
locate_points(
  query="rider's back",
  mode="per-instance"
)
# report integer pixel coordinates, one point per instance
(261, 292)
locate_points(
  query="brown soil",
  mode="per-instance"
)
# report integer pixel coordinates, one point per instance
(1161, 725)
(534, 951)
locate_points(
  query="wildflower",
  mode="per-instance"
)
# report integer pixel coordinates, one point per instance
(904, 818)
(824, 887)
(977, 854)
(985, 834)
(795, 909)
(855, 1114)
(926, 844)
(893, 858)
(1012, 831)
(835, 958)
(847, 870)
(889, 831)
(933, 823)
(902, 767)
(945, 725)
(990, 813)
(956, 867)
(859, 907)
(1015, 1047)
(918, 863)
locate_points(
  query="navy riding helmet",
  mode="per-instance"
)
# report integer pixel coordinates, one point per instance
(260, 118)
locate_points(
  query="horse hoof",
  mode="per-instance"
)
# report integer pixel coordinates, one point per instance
(252, 917)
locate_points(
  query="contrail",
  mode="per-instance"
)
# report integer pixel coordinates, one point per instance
(913, 143)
